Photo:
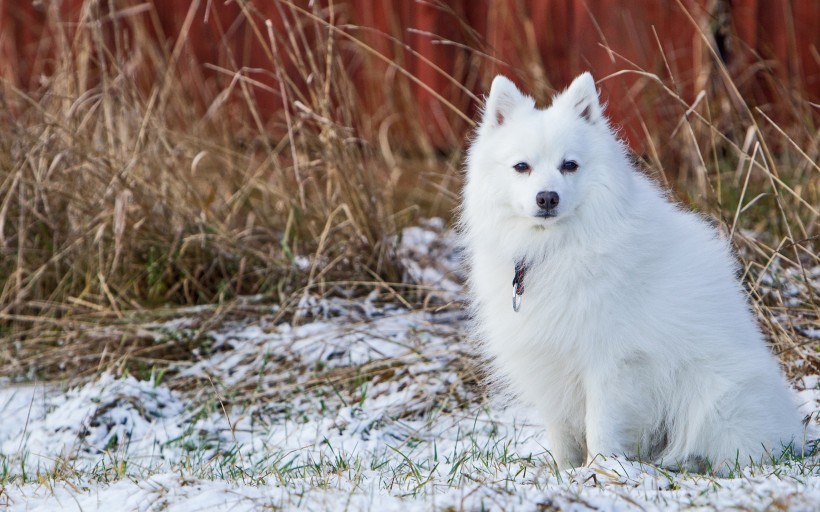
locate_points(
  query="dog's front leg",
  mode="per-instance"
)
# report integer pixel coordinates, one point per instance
(610, 421)
(565, 445)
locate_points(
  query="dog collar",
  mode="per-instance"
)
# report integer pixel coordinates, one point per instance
(518, 283)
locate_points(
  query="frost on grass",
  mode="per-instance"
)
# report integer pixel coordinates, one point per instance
(106, 416)
(363, 405)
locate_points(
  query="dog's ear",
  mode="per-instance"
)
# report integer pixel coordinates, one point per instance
(504, 97)
(583, 97)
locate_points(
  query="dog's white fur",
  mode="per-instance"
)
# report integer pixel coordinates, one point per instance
(634, 336)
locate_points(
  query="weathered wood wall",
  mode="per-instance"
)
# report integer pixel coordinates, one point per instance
(541, 43)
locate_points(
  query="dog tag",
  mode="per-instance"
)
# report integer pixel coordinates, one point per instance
(518, 284)
(516, 300)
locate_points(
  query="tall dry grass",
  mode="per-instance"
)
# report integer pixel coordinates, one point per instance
(121, 193)
(131, 184)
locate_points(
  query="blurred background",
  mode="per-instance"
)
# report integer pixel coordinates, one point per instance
(420, 65)
(158, 153)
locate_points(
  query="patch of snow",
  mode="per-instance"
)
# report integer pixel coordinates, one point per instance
(363, 406)
(105, 416)
(301, 262)
(430, 258)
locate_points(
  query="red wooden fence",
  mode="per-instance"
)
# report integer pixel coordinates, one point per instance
(541, 43)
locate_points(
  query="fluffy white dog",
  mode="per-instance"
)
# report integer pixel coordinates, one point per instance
(628, 330)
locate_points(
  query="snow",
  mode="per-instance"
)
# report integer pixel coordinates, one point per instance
(360, 405)
(104, 416)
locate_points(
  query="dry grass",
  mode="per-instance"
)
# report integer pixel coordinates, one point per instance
(121, 193)
(131, 184)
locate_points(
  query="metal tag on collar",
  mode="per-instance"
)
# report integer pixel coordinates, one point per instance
(516, 301)
(518, 284)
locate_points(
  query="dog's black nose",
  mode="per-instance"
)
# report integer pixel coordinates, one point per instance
(546, 200)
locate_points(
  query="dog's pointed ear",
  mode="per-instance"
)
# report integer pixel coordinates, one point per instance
(584, 98)
(504, 97)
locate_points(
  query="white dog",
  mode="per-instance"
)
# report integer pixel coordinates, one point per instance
(628, 329)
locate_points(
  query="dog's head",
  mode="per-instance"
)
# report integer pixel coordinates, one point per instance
(536, 165)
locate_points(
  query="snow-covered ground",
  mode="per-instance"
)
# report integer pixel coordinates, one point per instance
(360, 405)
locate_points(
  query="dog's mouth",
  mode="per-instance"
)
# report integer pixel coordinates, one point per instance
(546, 214)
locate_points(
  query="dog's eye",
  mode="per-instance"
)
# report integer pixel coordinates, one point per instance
(522, 167)
(569, 166)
